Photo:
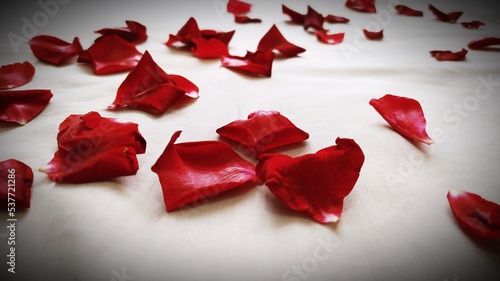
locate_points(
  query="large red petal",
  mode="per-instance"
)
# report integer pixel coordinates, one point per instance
(53, 50)
(316, 183)
(15, 75)
(16, 179)
(336, 19)
(449, 55)
(326, 38)
(483, 43)
(22, 106)
(134, 32)
(192, 171)
(374, 35)
(258, 63)
(238, 7)
(246, 19)
(475, 214)
(405, 116)
(367, 6)
(446, 17)
(274, 40)
(294, 16)
(475, 24)
(407, 11)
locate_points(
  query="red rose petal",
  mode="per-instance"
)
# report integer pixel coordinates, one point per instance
(238, 7)
(134, 32)
(111, 54)
(209, 49)
(449, 55)
(367, 6)
(483, 43)
(53, 50)
(263, 131)
(186, 34)
(326, 38)
(405, 116)
(16, 75)
(274, 40)
(192, 171)
(407, 11)
(449, 17)
(475, 214)
(475, 24)
(313, 19)
(316, 183)
(245, 19)
(294, 16)
(258, 63)
(147, 87)
(22, 106)
(374, 35)
(224, 37)
(336, 19)
(16, 179)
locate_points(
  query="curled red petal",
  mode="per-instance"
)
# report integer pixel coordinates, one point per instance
(483, 43)
(224, 37)
(295, 17)
(53, 50)
(186, 34)
(326, 38)
(16, 179)
(274, 40)
(336, 19)
(148, 88)
(405, 116)
(366, 6)
(238, 7)
(16, 74)
(262, 131)
(475, 214)
(374, 35)
(245, 19)
(316, 183)
(446, 17)
(209, 49)
(313, 19)
(475, 24)
(134, 32)
(407, 11)
(449, 55)
(24, 105)
(192, 171)
(258, 63)
(123, 57)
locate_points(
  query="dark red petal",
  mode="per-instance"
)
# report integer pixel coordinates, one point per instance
(224, 37)
(407, 11)
(53, 50)
(15, 75)
(336, 19)
(16, 179)
(475, 24)
(22, 106)
(374, 35)
(192, 171)
(186, 34)
(147, 87)
(405, 116)
(262, 131)
(209, 49)
(111, 54)
(245, 19)
(294, 16)
(238, 7)
(483, 43)
(134, 32)
(449, 55)
(313, 19)
(367, 6)
(316, 183)
(258, 63)
(326, 38)
(449, 17)
(274, 40)
(475, 214)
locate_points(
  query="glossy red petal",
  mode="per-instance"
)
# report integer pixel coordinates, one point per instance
(446, 17)
(209, 49)
(16, 179)
(405, 116)
(148, 88)
(483, 43)
(336, 19)
(313, 19)
(449, 55)
(326, 38)
(475, 24)
(258, 63)
(475, 214)
(245, 19)
(238, 7)
(15, 75)
(407, 11)
(294, 16)
(111, 54)
(316, 183)
(192, 171)
(273, 40)
(262, 131)
(186, 34)
(134, 32)
(367, 6)
(374, 35)
(224, 37)
(53, 50)
(24, 105)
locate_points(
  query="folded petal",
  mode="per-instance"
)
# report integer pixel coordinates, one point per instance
(405, 116)
(245, 19)
(238, 7)
(134, 32)
(209, 48)
(367, 6)
(475, 24)
(313, 19)
(336, 19)
(224, 37)
(449, 55)
(316, 183)
(192, 171)
(258, 63)
(23, 105)
(16, 179)
(475, 214)
(374, 35)
(446, 17)
(53, 50)
(294, 16)
(15, 75)
(274, 40)
(483, 43)
(326, 38)
(407, 11)
(186, 34)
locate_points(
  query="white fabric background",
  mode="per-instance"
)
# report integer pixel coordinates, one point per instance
(389, 230)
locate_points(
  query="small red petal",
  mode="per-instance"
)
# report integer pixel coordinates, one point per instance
(367, 6)
(134, 32)
(274, 40)
(16, 75)
(475, 24)
(405, 116)
(224, 37)
(483, 43)
(53, 50)
(449, 55)
(335, 38)
(258, 63)
(407, 11)
(245, 19)
(294, 16)
(22, 106)
(16, 179)
(336, 19)
(238, 7)
(192, 171)
(377, 35)
(475, 214)
(449, 17)
(316, 183)
(313, 20)
(186, 34)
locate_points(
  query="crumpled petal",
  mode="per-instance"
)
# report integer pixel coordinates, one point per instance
(111, 54)
(374, 35)
(316, 183)
(16, 74)
(134, 32)
(483, 43)
(238, 7)
(336, 19)
(475, 214)
(407, 11)
(313, 20)
(192, 171)
(295, 17)
(273, 40)
(446, 17)
(262, 131)
(475, 24)
(245, 19)
(259, 63)
(24, 105)
(326, 38)
(405, 116)
(16, 179)
(449, 55)
(148, 88)
(53, 50)
(367, 6)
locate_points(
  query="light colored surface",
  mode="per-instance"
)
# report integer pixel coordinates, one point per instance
(390, 229)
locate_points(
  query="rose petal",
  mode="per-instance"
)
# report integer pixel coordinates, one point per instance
(16, 75)
(449, 17)
(224, 37)
(245, 19)
(475, 214)
(22, 106)
(336, 19)
(192, 171)
(134, 32)
(53, 50)
(258, 63)
(405, 116)
(16, 179)
(209, 49)
(148, 88)
(313, 19)
(238, 7)
(262, 131)
(483, 43)
(186, 34)
(326, 38)
(374, 35)
(367, 6)
(449, 55)
(274, 40)
(475, 24)
(316, 183)
(294, 16)
(407, 11)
